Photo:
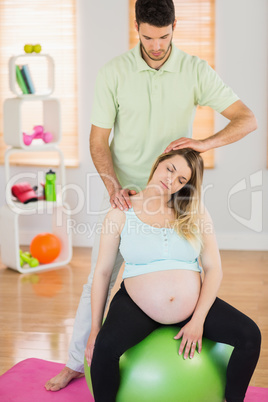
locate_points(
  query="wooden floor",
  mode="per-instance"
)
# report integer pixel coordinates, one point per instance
(37, 310)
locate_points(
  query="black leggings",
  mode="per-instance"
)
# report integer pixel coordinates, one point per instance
(126, 325)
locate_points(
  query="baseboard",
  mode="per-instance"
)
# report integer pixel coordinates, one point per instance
(239, 241)
(80, 240)
(226, 241)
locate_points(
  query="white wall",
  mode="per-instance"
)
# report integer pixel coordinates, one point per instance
(241, 60)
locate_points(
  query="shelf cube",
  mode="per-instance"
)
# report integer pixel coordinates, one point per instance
(10, 234)
(13, 121)
(37, 61)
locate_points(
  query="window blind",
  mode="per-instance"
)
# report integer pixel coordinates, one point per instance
(51, 23)
(194, 34)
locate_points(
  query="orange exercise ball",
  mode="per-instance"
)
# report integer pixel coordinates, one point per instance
(45, 247)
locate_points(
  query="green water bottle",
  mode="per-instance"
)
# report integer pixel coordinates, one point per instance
(50, 186)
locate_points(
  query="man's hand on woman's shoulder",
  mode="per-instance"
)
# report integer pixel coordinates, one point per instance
(120, 198)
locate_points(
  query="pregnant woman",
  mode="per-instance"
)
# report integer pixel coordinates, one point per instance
(162, 238)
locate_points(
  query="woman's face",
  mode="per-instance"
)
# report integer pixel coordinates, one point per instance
(171, 174)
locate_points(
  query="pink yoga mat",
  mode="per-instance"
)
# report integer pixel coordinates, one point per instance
(25, 383)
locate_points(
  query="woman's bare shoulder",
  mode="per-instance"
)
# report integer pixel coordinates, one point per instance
(116, 217)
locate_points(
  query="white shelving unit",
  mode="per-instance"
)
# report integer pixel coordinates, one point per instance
(57, 213)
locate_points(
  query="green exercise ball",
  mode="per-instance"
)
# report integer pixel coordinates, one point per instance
(153, 371)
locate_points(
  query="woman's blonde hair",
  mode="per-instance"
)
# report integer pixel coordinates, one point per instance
(187, 201)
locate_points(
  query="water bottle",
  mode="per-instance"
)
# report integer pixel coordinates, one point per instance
(50, 186)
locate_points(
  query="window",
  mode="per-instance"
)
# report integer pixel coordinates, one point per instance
(52, 23)
(194, 34)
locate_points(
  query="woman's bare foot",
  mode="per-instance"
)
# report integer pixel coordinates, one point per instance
(62, 379)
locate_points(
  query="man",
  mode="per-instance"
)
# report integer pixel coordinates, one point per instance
(149, 96)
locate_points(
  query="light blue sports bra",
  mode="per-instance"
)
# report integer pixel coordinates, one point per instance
(146, 248)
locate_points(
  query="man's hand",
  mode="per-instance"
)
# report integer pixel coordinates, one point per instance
(119, 198)
(196, 145)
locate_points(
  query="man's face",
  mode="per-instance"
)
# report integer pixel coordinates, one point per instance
(155, 41)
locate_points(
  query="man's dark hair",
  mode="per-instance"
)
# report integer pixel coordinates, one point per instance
(159, 13)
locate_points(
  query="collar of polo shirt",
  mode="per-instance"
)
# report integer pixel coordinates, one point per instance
(170, 65)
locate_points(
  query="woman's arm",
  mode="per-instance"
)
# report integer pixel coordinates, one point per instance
(109, 243)
(211, 263)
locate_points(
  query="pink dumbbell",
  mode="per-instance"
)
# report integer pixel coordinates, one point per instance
(38, 133)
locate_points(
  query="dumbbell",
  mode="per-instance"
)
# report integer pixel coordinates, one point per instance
(26, 258)
(38, 133)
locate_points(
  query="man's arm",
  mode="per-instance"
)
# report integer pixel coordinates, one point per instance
(102, 159)
(242, 122)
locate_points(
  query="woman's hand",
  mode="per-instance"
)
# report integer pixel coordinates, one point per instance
(191, 334)
(90, 346)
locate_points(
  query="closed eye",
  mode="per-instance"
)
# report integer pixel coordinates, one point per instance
(171, 171)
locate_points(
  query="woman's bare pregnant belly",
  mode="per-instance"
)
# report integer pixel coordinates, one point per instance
(167, 297)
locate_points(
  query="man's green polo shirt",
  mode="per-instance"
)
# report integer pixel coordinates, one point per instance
(149, 109)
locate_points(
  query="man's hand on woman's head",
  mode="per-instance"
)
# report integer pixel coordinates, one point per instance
(120, 198)
(184, 142)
